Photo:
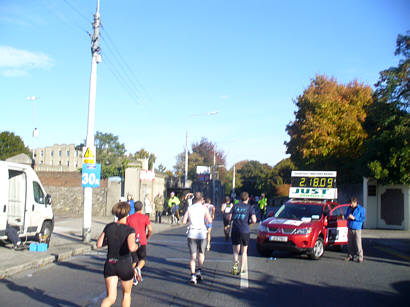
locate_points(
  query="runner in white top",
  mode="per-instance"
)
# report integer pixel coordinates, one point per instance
(226, 210)
(197, 215)
(211, 209)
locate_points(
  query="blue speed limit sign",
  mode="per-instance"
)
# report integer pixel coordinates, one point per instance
(91, 175)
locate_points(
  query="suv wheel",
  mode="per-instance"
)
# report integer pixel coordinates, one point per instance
(318, 250)
(262, 251)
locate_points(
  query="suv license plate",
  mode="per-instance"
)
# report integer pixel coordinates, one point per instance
(278, 238)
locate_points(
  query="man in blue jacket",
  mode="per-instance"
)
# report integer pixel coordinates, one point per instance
(355, 216)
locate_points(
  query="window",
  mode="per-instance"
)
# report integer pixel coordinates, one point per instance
(41, 153)
(76, 153)
(41, 162)
(59, 162)
(59, 153)
(68, 153)
(76, 164)
(68, 163)
(52, 153)
(38, 193)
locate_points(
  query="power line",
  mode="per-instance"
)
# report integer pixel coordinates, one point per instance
(121, 60)
(76, 11)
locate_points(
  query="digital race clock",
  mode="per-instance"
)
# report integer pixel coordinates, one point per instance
(313, 184)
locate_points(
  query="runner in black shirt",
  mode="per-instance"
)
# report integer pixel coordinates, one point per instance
(120, 239)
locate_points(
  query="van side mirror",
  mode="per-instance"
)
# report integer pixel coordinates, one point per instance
(48, 199)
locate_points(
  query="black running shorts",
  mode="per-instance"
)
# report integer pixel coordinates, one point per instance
(240, 238)
(121, 268)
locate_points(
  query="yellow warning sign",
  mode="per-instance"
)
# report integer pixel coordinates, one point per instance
(89, 156)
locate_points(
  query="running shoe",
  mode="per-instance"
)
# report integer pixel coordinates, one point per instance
(193, 279)
(138, 274)
(208, 247)
(199, 276)
(235, 268)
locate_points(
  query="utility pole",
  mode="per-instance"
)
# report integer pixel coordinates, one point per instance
(186, 160)
(96, 58)
(213, 180)
(35, 131)
(233, 179)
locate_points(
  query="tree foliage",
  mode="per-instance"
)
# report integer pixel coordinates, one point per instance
(11, 145)
(328, 133)
(201, 154)
(387, 151)
(110, 153)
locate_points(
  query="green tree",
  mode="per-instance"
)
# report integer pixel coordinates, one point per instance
(387, 151)
(281, 172)
(11, 145)
(328, 133)
(256, 178)
(111, 154)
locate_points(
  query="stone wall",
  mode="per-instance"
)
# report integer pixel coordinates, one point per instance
(67, 194)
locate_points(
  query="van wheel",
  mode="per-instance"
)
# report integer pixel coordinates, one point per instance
(45, 233)
(318, 250)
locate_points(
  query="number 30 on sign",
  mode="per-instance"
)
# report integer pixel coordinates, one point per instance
(91, 175)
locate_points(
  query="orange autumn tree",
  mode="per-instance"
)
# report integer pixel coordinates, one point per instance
(328, 133)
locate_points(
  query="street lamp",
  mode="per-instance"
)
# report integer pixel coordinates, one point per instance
(35, 131)
(186, 145)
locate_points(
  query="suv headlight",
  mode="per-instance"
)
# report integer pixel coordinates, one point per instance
(303, 231)
(263, 228)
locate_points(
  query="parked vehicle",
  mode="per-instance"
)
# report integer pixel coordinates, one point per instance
(24, 204)
(303, 226)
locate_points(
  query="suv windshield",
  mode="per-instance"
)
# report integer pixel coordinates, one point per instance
(298, 211)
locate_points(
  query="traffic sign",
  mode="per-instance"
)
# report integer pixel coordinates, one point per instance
(91, 175)
(89, 155)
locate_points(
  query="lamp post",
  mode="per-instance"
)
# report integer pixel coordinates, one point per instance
(35, 131)
(186, 146)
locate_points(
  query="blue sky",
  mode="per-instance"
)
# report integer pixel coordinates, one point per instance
(182, 59)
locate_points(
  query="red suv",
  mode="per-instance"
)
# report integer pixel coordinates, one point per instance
(303, 226)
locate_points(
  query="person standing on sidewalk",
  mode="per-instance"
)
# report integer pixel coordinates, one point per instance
(197, 215)
(147, 205)
(355, 216)
(130, 201)
(120, 239)
(143, 230)
(241, 215)
(173, 206)
(159, 207)
(263, 203)
(226, 210)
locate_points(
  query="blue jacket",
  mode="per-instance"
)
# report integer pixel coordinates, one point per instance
(359, 214)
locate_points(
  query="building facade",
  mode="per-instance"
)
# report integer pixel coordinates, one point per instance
(58, 158)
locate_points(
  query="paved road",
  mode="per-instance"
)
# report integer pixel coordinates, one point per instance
(382, 280)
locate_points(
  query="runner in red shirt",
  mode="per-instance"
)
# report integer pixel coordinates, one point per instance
(143, 230)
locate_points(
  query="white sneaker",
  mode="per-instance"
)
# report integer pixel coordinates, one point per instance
(193, 280)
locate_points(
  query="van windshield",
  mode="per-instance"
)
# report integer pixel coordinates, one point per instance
(298, 211)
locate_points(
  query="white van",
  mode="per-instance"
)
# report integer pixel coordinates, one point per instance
(24, 205)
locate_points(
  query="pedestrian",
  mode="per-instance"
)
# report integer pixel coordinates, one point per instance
(226, 210)
(120, 239)
(211, 209)
(263, 203)
(197, 215)
(355, 216)
(241, 215)
(188, 198)
(130, 202)
(159, 207)
(147, 205)
(13, 237)
(143, 230)
(173, 205)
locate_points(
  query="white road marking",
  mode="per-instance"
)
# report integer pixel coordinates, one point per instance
(244, 283)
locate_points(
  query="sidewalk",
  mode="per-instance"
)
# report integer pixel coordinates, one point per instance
(66, 242)
(396, 242)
